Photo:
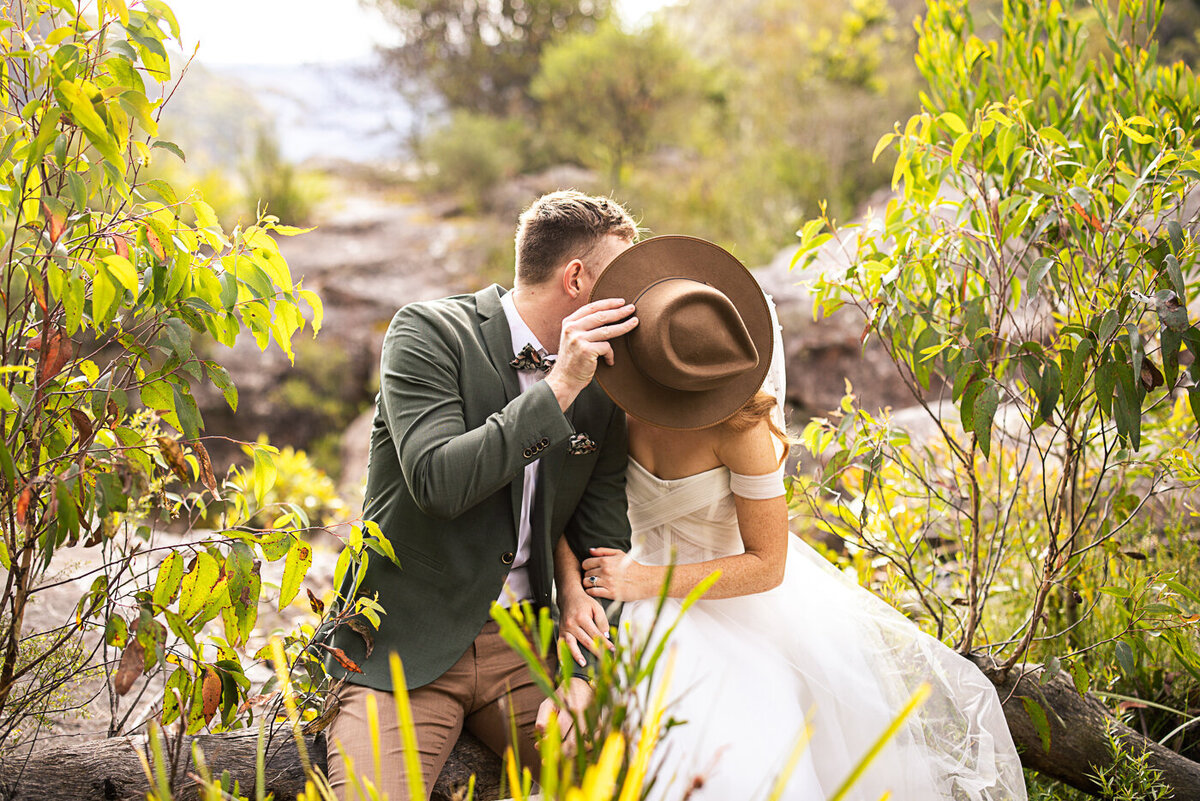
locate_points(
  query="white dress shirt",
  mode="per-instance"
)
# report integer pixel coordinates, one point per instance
(517, 587)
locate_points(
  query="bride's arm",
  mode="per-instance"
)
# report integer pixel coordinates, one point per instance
(763, 526)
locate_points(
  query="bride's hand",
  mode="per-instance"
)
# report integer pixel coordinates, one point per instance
(609, 573)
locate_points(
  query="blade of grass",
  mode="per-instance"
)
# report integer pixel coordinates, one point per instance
(917, 699)
(408, 733)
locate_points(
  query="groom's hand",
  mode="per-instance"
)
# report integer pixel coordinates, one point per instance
(582, 622)
(570, 702)
(584, 341)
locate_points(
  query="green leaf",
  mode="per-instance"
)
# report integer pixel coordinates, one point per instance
(318, 308)
(1037, 716)
(1175, 275)
(183, 631)
(170, 147)
(1038, 185)
(1125, 657)
(1051, 388)
(1037, 271)
(966, 407)
(198, 584)
(985, 412)
(116, 631)
(1079, 675)
(104, 293)
(175, 691)
(166, 586)
(299, 559)
(246, 605)
(1175, 234)
(187, 411)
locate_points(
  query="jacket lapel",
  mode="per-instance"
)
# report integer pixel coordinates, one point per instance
(497, 339)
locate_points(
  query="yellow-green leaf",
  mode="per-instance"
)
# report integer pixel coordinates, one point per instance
(123, 271)
(296, 566)
(198, 584)
(318, 308)
(883, 142)
(103, 295)
(166, 586)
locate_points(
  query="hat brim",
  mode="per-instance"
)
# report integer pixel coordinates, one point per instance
(675, 256)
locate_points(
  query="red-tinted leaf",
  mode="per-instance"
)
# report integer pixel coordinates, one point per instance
(120, 246)
(154, 243)
(343, 660)
(210, 692)
(23, 503)
(57, 224)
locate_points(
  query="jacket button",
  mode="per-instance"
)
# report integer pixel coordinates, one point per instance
(544, 442)
(527, 452)
(507, 557)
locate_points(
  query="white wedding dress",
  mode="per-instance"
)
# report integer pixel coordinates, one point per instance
(750, 670)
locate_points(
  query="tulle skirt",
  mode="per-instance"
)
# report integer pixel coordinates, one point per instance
(751, 671)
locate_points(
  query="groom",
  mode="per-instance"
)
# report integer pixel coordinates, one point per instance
(482, 458)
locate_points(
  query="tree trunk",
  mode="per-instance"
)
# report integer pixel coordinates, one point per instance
(109, 770)
(1078, 739)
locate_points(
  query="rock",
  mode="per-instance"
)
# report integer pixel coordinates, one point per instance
(508, 199)
(821, 355)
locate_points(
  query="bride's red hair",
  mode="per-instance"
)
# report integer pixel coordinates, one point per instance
(754, 411)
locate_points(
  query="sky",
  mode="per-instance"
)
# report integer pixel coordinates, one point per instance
(297, 31)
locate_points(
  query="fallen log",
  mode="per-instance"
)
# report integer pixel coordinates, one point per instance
(109, 770)
(1078, 726)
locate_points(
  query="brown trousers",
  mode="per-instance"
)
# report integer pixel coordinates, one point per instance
(486, 690)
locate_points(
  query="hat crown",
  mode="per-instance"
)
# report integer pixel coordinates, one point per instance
(690, 336)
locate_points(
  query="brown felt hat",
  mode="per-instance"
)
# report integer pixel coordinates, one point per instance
(703, 342)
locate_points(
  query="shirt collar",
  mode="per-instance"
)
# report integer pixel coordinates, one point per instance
(521, 335)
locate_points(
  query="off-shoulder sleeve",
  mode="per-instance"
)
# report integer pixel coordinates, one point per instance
(757, 488)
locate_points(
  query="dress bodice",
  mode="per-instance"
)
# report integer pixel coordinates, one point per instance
(692, 518)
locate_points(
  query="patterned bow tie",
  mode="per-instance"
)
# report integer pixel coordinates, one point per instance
(530, 359)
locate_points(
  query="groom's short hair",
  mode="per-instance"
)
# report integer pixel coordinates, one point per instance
(566, 225)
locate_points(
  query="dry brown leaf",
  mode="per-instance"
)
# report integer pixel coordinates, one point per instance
(210, 692)
(364, 631)
(343, 660)
(315, 603)
(56, 351)
(206, 471)
(83, 423)
(133, 662)
(174, 455)
(321, 722)
(257, 700)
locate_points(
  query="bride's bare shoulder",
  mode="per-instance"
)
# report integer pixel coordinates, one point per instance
(750, 451)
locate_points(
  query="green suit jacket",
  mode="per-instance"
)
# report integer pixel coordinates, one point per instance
(451, 438)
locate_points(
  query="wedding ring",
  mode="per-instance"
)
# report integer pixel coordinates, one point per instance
(593, 579)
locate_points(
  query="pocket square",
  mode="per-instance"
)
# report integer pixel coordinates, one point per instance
(580, 444)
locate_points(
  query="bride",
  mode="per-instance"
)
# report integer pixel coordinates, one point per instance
(781, 638)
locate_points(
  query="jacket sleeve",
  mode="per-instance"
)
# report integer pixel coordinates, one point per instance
(601, 519)
(448, 468)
